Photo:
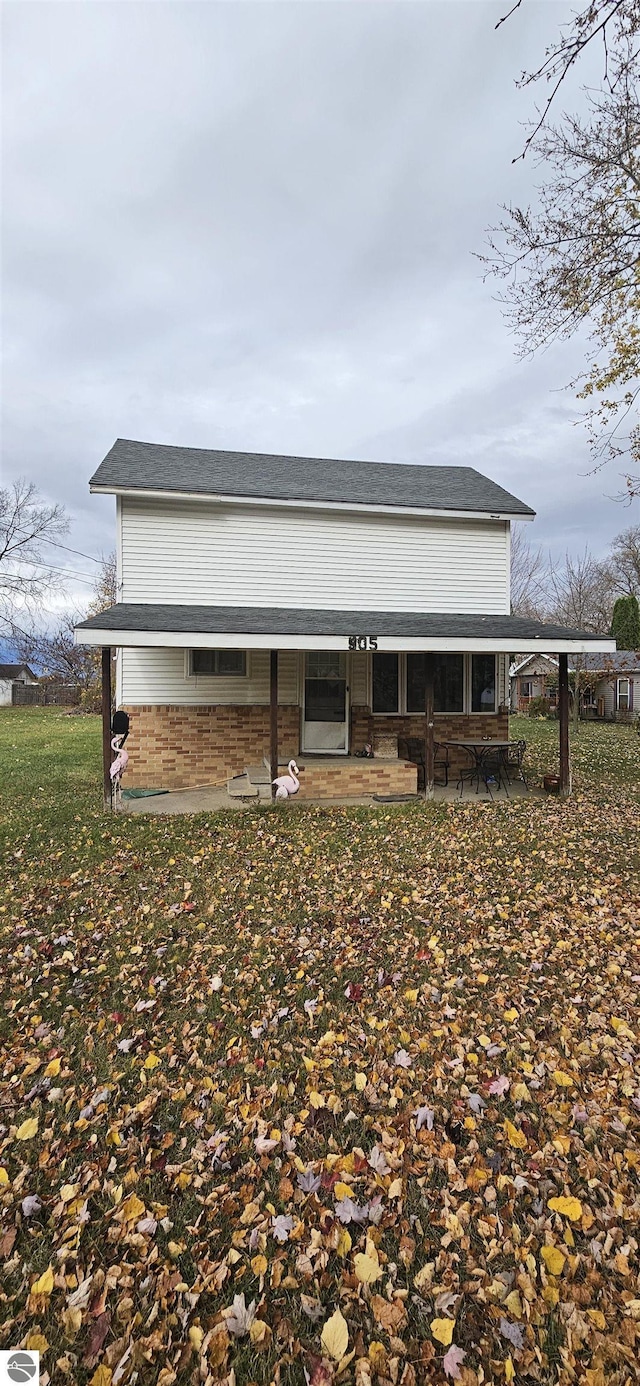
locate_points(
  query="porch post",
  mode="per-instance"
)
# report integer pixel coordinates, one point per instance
(273, 714)
(106, 725)
(429, 738)
(563, 717)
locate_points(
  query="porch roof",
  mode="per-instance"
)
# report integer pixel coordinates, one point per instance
(144, 624)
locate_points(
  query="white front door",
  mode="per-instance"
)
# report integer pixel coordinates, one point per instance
(325, 712)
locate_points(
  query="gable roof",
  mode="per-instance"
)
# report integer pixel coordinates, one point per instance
(11, 671)
(517, 668)
(209, 472)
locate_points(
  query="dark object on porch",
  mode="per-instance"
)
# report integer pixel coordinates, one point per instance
(366, 753)
(551, 784)
(120, 725)
(396, 798)
(513, 761)
(413, 748)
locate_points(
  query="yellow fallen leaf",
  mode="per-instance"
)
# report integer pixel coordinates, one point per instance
(515, 1137)
(4, 1177)
(395, 1189)
(484, 1040)
(335, 1336)
(259, 1265)
(569, 1207)
(44, 1284)
(152, 1061)
(344, 1242)
(367, 1268)
(316, 1100)
(361, 1082)
(513, 1303)
(36, 1342)
(509, 1370)
(259, 1331)
(342, 1190)
(511, 1015)
(132, 1208)
(196, 1336)
(53, 1068)
(597, 1317)
(562, 1079)
(424, 1277)
(482, 978)
(442, 1330)
(553, 1259)
(27, 1131)
(411, 994)
(102, 1376)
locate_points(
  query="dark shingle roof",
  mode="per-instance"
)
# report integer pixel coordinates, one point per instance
(11, 671)
(619, 661)
(200, 471)
(263, 620)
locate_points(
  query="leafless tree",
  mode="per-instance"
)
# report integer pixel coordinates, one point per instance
(528, 574)
(625, 562)
(572, 263)
(28, 529)
(581, 595)
(55, 650)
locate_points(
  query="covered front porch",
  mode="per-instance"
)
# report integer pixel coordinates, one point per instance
(374, 704)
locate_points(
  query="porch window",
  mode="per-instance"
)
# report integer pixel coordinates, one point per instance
(448, 683)
(228, 664)
(483, 683)
(623, 695)
(386, 683)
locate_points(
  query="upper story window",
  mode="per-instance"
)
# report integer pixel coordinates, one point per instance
(228, 664)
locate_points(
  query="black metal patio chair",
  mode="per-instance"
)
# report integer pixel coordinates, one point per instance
(514, 762)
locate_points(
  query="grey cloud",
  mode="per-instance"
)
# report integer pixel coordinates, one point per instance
(251, 226)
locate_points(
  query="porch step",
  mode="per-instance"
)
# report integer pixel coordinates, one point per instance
(259, 774)
(240, 787)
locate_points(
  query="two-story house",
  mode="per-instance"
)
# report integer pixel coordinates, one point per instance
(276, 606)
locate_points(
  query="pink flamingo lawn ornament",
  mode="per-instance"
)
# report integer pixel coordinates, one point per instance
(287, 785)
(118, 766)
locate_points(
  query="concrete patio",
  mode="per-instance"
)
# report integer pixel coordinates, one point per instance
(213, 798)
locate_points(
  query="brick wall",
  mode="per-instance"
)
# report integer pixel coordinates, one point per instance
(365, 726)
(179, 747)
(338, 778)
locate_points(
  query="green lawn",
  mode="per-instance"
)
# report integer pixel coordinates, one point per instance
(374, 1070)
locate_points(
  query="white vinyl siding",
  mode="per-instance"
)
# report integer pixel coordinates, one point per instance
(161, 676)
(224, 555)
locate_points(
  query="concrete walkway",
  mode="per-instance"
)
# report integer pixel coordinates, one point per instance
(215, 798)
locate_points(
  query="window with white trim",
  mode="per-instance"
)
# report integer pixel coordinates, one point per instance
(460, 682)
(622, 700)
(222, 664)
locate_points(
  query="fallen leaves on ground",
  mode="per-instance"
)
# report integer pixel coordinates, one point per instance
(329, 1095)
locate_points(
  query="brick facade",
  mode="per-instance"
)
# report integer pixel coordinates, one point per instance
(365, 726)
(181, 747)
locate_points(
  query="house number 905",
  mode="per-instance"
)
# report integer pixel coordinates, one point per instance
(363, 642)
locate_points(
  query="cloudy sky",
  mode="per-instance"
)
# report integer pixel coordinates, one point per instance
(252, 226)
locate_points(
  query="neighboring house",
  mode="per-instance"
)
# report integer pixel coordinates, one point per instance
(535, 676)
(612, 691)
(10, 675)
(274, 606)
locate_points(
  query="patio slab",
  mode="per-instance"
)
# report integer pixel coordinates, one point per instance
(213, 798)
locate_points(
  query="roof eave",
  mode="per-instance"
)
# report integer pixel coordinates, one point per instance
(357, 507)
